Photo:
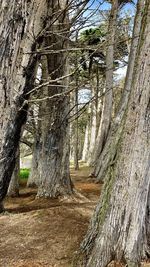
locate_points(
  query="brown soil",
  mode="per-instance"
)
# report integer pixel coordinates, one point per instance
(42, 232)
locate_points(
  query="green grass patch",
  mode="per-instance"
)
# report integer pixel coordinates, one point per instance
(24, 174)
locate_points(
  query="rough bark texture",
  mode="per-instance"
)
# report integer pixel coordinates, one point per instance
(54, 177)
(119, 229)
(20, 34)
(13, 189)
(108, 98)
(108, 153)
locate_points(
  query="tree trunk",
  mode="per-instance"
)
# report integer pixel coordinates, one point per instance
(34, 174)
(93, 130)
(18, 21)
(54, 174)
(54, 180)
(109, 151)
(119, 229)
(86, 144)
(108, 98)
(13, 190)
(76, 132)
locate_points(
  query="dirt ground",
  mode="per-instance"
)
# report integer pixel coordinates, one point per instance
(40, 232)
(37, 232)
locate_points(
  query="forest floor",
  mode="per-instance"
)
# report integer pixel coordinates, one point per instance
(42, 232)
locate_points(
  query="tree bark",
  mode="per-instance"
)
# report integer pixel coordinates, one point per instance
(20, 31)
(109, 151)
(119, 228)
(13, 189)
(93, 126)
(86, 144)
(76, 132)
(108, 97)
(34, 174)
(54, 174)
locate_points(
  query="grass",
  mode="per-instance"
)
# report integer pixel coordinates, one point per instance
(24, 174)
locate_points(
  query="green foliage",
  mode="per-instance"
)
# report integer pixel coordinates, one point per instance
(24, 174)
(93, 36)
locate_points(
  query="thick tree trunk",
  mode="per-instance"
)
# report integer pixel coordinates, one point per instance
(54, 172)
(108, 153)
(54, 175)
(13, 189)
(108, 97)
(119, 228)
(19, 20)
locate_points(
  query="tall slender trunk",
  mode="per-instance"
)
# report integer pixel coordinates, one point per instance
(93, 126)
(119, 229)
(86, 144)
(109, 151)
(108, 98)
(17, 64)
(76, 132)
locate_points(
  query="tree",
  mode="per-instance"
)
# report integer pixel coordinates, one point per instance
(22, 27)
(13, 189)
(120, 227)
(108, 153)
(53, 168)
(108, 98)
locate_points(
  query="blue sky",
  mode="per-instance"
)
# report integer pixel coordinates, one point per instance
(106, 5)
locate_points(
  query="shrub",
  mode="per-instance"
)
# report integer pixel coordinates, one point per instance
(24, 173)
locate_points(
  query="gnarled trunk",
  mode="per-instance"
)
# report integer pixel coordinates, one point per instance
(119, 228)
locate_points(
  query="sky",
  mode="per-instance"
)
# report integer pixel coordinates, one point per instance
(106, 6)
(128, 8)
